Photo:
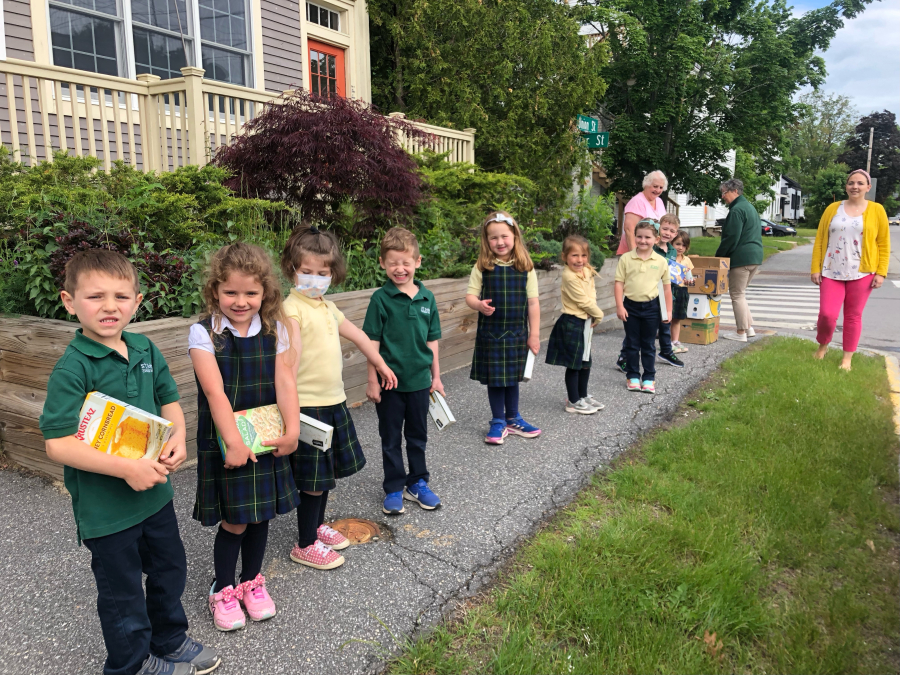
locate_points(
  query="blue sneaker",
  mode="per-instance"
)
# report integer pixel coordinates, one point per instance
(520, 427)
(203, 659)
(420, 493)
(393, 503)
(497, 433)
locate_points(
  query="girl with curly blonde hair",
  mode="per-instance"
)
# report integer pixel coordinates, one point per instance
(241, 352)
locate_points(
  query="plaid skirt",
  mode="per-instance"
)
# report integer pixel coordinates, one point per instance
(253, 493)
(315, 470)
(499, 361)
(566, 346)
(680, 300)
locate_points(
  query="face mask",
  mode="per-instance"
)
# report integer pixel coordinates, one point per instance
(312, 285)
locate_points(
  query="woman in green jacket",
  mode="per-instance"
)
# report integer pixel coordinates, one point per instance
(742, 243)
(850, 258)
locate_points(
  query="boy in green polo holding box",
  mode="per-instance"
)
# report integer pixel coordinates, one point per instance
(123, 506)
(402, 320)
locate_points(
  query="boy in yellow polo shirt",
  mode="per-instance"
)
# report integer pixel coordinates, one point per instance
(637, 305)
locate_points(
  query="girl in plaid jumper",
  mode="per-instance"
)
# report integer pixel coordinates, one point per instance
(312, 260)
(503, 290)
(242, 359)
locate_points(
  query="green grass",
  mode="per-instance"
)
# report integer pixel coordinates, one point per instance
(771, 245)
(769, 518)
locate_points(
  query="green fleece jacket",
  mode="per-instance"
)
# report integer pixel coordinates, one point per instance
(741, 235)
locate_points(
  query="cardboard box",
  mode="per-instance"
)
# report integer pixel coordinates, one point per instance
(255, 426)
(529, 366)
(440, 411)
(116, 428)
(315, 433)
(703, 306)
(711, 275)
(700, 331)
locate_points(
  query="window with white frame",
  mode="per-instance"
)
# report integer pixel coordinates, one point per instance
(323, 16)
(98, 36)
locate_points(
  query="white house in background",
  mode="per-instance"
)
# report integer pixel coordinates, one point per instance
(695, 217)
(788, 202)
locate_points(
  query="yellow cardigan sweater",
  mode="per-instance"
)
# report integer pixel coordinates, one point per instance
(876, 240)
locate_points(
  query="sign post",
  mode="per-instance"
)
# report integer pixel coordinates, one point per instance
(597, 140)
(588, 125)
(590, 131)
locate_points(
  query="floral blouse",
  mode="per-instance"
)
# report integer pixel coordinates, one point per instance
(844, 247)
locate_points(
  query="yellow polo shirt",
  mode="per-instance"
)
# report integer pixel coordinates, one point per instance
(641, 277)
(579, 295)
(319, 379)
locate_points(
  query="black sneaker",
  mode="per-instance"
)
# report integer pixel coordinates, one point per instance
(671, 359)
(622, 364)
(202, 659)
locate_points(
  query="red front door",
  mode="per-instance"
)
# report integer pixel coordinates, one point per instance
(326, 69)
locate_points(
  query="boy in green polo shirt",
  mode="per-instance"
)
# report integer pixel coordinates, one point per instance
(123, 507)
(402, 320)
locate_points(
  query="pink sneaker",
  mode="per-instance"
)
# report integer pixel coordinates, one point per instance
(331, 537)
(256, 599)
(317, 555)
(226, 608)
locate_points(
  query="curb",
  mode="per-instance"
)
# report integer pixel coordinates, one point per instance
(893, 373)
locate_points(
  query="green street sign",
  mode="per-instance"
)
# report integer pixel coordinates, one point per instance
(588, 125)
(597, 140)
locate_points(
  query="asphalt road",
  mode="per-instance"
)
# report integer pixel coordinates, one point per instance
(881, 318)
(344, 621)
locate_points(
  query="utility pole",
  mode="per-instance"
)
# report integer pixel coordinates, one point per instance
(869, 160)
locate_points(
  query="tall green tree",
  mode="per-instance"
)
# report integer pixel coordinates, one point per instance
(690, 80)
(757, 183)
(827, 187)
(824, 123)
(518, 72)
(885, 151)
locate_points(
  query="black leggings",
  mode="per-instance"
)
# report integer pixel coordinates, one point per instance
(576, 383)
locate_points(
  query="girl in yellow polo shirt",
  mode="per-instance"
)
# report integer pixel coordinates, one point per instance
(312, 260)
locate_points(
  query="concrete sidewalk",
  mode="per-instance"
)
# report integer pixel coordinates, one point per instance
(493, 497)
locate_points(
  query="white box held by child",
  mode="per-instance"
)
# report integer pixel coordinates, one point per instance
(439, 410)
(116, 428)
(529, 366)
(588, 336)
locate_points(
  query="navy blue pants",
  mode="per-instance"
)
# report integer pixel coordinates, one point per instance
(644, 320)
(403, 413)
(134, 625)
(665, 338)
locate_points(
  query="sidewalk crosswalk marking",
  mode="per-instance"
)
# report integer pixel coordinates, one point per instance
(777, 306)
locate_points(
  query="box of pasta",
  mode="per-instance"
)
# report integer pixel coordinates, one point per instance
(255, 426)
(116, 428)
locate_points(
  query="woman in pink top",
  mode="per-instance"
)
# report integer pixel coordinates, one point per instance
(645, 204)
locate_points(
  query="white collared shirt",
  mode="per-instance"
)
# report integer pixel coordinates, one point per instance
(199, 338)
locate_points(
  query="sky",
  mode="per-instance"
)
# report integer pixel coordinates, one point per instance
(863, 60)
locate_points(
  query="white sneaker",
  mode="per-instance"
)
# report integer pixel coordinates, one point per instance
(737, 337)
(581, 407)
(751, 332)
(591, 401)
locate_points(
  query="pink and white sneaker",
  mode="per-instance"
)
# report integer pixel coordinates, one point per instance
(331, 537)
(226, 608)
(317, 555)
(256, 599)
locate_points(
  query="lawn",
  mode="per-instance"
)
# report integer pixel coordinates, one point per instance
(758, 534)
(771, 245)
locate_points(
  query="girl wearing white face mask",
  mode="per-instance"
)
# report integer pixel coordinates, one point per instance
(312, 260)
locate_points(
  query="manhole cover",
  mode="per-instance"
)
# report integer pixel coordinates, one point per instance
(358, 530)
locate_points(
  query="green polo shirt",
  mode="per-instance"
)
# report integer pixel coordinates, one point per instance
(103, 504)
(403, 326)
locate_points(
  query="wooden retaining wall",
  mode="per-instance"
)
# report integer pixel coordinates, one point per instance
(30, 347)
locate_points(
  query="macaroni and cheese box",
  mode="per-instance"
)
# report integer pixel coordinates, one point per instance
(116, 428)
(439, 410)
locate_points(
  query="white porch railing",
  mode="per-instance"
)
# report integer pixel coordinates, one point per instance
(149, 123)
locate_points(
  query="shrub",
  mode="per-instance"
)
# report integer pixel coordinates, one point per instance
(319, 154)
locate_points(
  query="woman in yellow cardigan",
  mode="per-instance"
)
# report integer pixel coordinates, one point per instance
(850, 258)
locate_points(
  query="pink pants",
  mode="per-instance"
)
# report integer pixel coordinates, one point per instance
(853, 296)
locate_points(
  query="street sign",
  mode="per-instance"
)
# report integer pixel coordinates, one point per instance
(588, 125)
(597, 140)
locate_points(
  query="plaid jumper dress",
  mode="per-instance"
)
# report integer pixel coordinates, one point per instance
(500, 343)
(257, 491)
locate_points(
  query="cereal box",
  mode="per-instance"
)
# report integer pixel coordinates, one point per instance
(116, 428)
(257, 425)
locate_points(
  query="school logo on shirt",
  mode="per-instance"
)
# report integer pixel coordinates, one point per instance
(426, 310)
(146, 367)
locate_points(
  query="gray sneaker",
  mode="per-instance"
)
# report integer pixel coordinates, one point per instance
(157, 666)
(581, 407)
(203, 659)
(591, 401)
